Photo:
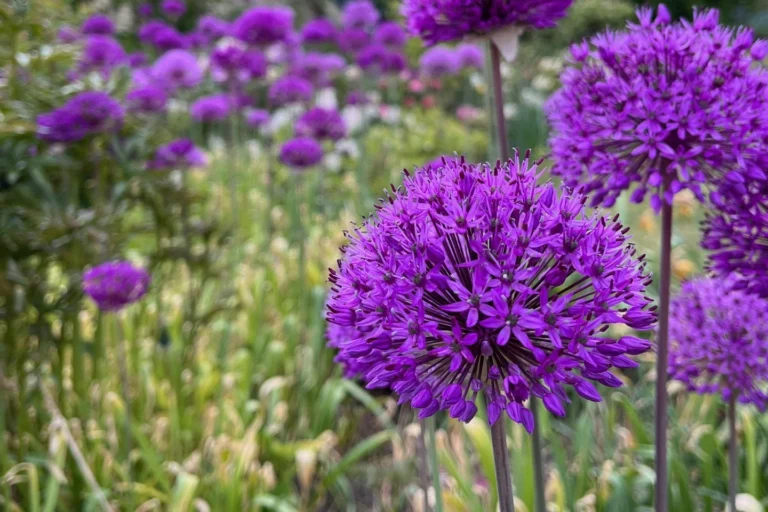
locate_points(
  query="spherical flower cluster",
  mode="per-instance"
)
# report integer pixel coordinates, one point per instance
(234, 63)
(67, 35)
(437, 21)
(661, 107)
(391, 35)
(360, 14)
(719, 340)
(179, 154)
(263, 26)
(353, 40)
(301, 153)
(290, 89)
(114, 285)
(470, 56)
(256, 117)
(212, 28)
(145, 10)
(207, 109)
(438, 62)
(149, 99)
(137, 59)
(87, 113)
(318, 68)
(381, 60)
(103, 54)
(321, 123)
(318, 31)
(177, 69)
(163, 37)
(173, 8)
(98, 24)
(474, 279)
(337, 336)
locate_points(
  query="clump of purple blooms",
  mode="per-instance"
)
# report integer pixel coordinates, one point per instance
(177, 69)
(360, 14)
(319, 31)
(149, 99)
(85, 114)
(438, 21)
(256, 117)
(102, 54)
(262, 26)
(719, 340)
(233, 63)
(173, 8)
(321, 123)
(290, 89)
(439, 61)
(301, 153)
(661, 107)
(178, 154)
(115, 285)
(474, 279)
(98, 24)
(208, 109)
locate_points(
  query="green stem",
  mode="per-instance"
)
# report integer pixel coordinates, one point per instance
(125, 390)
(98, 347)
(433, 460)
(79, 380)
(538, 459)
(733, 455)
(501, 463)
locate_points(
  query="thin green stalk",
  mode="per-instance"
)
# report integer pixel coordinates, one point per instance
(98, 348)
(422, 456)
(433, 462)
(125, 390)
(733, 455)
(538, 459)
(79, 379)
(501, 464)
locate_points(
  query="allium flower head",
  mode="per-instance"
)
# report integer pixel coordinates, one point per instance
(719, 340)
(473, 279)
(261, 26)
(98, 24)
(137, 59)
(660, 103)
(162, 36)
(301, 153)
(318, 31)
(290, 89)
(234, 63)
(318, 68)
(179, 154)
(103, 54)
(145, 10)
(439, 61)
(173, 8)
(360, 14)
(470, 56)
(338, 336)
(177, 69)
(380, 59)
(353, 40)
(321, 123)
(67, 35)
(215, 107)
(438, 21)
(256, 117)
(114, 285)
(391, 35)
(212, 28)
(149, 30)
(149, 99)
(85, 114)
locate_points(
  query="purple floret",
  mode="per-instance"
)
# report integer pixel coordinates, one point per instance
(474, 279)
(114, 285)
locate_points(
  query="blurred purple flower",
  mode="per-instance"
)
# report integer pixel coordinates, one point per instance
(237, 64)
(67, 35)
(211, 108)
(318, 31)
(115, 285)
(321, 123)
(212, 28)
(262, 26)
(391, 35)
(173, 8)
(353, 40)
(145, 10)
(177, 69)
(85, 114)
(473, 279)
(357, 98)
(256, 118)
(149, 99)
(301, 153)
(380, 59)
(318, 68)
(103, 54)
(290, 89)
(360, 14)
(137, 59)
(470, 56)
(98, 24)
(439, 61)
(181, 154)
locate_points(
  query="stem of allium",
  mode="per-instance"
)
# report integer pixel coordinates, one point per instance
(662, 357)
(122, 368)
(498, 103)
(421, 452)
(501, 461)
(433, 462)
(733, 456)
(538, 461)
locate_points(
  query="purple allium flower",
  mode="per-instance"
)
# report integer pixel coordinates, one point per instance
(149, 99)
(360, 14)
(357, 98)
(67, 35)
(719, 340)
(439, 61)
(353, 40)
(438, 21)
(234, 63)
(391, 35)
(475, 279)
(149, 30)
(87, 113)
(168, 38)
(137, 59)
(179, 154)
(301, 153)
(212, 28)
(177, 69)
(318, 68)
(256, 117)
(290, 89)
(338, 336)
(173, 8)
(146, 10)
(631, 116)
(321, 123)
(103, 54)
(318, 31)
(98, 24)
(114, 285)
(381, 59)
(262, 26)
(470, 56)
(211, 108)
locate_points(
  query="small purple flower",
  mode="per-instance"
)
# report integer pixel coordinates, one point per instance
(337, 337)
(237, 64)
(318, 68)
(391, 35)
(256, 118)
(380, 59)
(149, 99)
(67, 35)
(173, 8)
(301, 153)
(211, 108)
(212, 28)
(439, 61)
(719, 340)
(85, 114)
(262, 26)
(360, 14)
(353, 40)
(115, 285)
(473, 279)
(168, 38)
(146, 10)
(137, 59)
(438, 21)
(321, 123)
(290, 89)
(631, 117)
(102, 54)
(149, 30)
(179, 154)
(177, 69)
(98, 24)
(318, 31)
(470, 56)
